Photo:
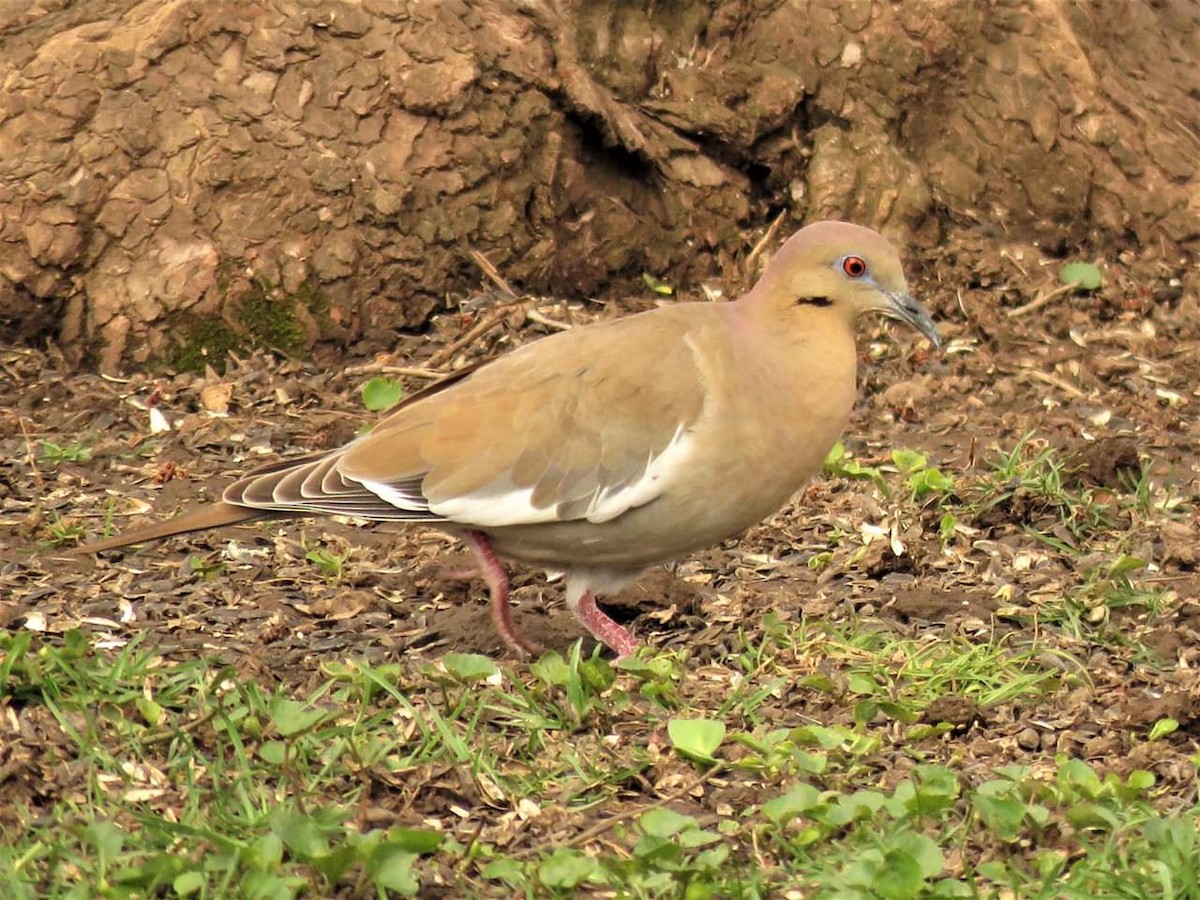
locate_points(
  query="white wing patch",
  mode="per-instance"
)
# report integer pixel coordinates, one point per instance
(400, 496)
(490, 509)
(495, 508)
(608, 503)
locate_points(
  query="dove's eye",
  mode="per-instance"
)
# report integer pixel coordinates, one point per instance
(854, 266)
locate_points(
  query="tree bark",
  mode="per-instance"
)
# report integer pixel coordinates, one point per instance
(182, 176)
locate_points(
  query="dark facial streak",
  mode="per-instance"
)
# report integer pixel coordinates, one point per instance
(813, 301)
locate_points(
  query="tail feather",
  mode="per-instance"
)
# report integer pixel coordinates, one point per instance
(212, 516)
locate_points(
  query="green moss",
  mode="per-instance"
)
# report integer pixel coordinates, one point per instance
(261, 318)
(201, 342)
(313, 300)
(270, 321)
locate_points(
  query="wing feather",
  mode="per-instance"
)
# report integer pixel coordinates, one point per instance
(535, 436)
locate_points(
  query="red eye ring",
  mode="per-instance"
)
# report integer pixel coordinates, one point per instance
(854, 266)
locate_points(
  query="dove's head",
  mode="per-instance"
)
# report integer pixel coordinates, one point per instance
(845, 271)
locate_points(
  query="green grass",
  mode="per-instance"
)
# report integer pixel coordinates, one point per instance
(329, 562)
(62, 532)
(179, 778)
(1095, 533)
(56, 454)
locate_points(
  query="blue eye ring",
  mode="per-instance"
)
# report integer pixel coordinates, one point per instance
(854, 267)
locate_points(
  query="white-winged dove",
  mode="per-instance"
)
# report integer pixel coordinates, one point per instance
(609, 448)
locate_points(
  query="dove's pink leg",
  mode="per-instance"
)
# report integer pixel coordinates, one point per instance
(582, 603)
(497, 582)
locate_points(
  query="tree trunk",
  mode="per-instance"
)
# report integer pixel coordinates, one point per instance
(182, 176)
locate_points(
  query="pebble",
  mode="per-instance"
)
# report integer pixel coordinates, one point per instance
(1029, 739)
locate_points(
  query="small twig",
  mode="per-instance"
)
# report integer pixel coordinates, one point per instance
(1004, 254)
(540, 318)
(1041, 300)
(30, 455)
(407, 371)
(468, 858)
(772, 229)
(164, 734)
(1047, 378)
(599, 828)
(492, 273)
(484, 325)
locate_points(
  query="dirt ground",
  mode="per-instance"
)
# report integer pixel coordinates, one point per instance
(1109, 377)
